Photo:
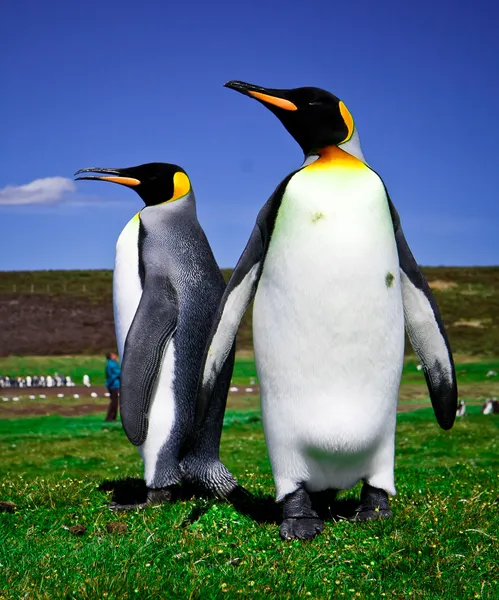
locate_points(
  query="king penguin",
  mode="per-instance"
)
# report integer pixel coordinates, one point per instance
(166, 291)
(333, 281)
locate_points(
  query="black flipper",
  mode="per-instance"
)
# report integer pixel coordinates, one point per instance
(426, 331)
(152, 329)
(238, 295)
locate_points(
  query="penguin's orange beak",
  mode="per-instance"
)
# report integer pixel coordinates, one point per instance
(113, 175)
(266, 95)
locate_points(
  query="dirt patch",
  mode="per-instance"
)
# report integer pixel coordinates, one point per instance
(8, 507)
(68, 392)
(40, 324)
(116, 527)
(470, 323)
(78, 410)
(402, 408)
(12, 411)
(76, 529)
(441, 285)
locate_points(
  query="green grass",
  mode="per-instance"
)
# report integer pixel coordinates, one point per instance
(93, 366)
(443, 541)
(244, 368)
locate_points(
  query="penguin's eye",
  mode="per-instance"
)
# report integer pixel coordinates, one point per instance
(304, 97)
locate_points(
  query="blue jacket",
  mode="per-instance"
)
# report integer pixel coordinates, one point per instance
(113, 372)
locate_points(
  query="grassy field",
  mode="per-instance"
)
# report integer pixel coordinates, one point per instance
(442, 542)
(93, 366)
(65, 312)
(244, 369)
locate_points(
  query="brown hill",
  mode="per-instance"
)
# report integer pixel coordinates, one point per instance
(70, 312)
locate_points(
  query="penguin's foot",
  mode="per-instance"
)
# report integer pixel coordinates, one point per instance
(155, 496)
(210, 477)
(301, 529)
(373, 505)
(159, 495)
(300, 521)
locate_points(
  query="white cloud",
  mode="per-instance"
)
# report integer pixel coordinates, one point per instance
(48, 190)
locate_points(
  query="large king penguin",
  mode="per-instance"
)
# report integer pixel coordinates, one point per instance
(332, 278)
(166, 290)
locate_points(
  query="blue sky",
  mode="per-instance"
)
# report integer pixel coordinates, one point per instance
(116, 84)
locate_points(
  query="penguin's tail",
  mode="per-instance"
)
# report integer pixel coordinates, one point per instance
(209, 476)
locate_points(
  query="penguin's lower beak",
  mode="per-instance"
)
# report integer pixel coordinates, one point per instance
(113, 175)
(266, 95)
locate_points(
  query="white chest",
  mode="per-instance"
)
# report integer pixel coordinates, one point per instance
(329, 300)
(332, 213)
(127, 289)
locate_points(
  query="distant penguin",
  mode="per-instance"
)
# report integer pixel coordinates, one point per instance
(490, 407)
(461, 409)
(167, 288)
(332, 279)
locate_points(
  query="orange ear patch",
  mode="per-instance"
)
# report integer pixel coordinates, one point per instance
(181, 186)
(348, 119)
(280, 102)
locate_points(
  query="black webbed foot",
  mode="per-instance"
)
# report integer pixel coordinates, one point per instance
(154, 497)
(301, 529)
(373, 504)
(300, 521)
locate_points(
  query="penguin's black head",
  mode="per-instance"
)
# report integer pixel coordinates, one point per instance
(314, 117)
(155, 183)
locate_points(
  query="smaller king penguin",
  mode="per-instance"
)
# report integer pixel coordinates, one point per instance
(166, 291)
(333, 281)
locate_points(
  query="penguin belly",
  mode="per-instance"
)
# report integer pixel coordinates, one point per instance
(161, 418)
(127, 292)
(127, 288)
(328, 328)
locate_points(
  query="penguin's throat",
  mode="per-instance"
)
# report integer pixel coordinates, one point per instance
(332, 157)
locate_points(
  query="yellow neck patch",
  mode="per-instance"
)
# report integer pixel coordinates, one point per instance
(347, 117)
(181, 186)
(332, 157)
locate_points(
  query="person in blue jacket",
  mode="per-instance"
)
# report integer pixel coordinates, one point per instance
(113, 373)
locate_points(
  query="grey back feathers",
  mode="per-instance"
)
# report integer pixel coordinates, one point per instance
(181, 289)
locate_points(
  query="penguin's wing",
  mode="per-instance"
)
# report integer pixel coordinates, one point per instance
(426, 331)
(238, 295)
(151, 330)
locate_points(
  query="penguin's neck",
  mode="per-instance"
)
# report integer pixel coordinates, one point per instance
(333, 157)
(351, 147)
(186, 206)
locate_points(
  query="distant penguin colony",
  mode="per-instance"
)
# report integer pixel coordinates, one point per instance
(167, 288)
(333, 282)
(332, 278)
(36, 381)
